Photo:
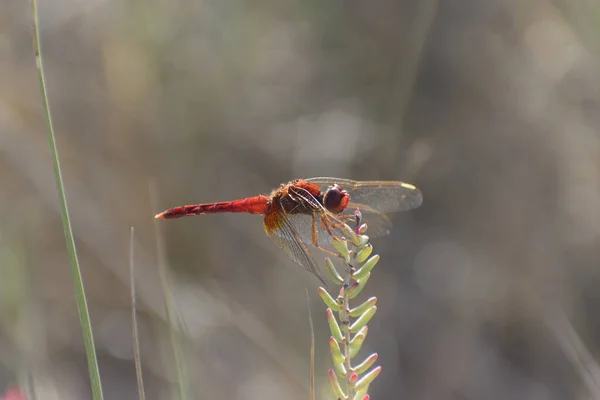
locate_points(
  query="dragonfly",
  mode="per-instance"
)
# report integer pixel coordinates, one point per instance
(313, 211)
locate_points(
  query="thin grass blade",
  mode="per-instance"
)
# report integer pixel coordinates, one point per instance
(82, 308)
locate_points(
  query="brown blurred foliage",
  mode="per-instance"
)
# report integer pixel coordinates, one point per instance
(491, 108)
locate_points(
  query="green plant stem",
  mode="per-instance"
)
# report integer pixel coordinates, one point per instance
(174, 337)
(347, 337)
(311, 372)
(135, 335)
(82, 308)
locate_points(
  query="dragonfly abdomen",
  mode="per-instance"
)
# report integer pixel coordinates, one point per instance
(250, 205)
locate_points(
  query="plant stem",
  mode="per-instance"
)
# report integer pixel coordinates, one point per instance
(82, 307)
(347, 338)
(135, 335)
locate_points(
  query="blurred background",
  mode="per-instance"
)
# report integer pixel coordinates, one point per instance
(488, 291)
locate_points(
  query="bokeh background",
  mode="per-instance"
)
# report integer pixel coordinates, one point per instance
(490, 290)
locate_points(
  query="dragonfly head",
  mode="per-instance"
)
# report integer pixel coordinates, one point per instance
(336, 199)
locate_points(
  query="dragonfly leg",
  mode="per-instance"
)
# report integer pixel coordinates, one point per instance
(328, 225)
(342, 219)
(325, 226)
(328, 251)
(315, 237)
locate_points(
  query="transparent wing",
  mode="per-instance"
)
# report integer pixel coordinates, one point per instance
(283, 233)
(375, 199)
(379, 196)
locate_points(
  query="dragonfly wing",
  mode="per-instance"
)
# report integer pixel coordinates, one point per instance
(375, 199)
(379, 196)
(282, 232)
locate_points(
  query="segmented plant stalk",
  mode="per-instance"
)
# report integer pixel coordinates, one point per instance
(350, 381)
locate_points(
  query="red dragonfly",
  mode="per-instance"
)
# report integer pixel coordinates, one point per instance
(313, 210)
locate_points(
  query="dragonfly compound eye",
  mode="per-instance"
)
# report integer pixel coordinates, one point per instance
(336, 199)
